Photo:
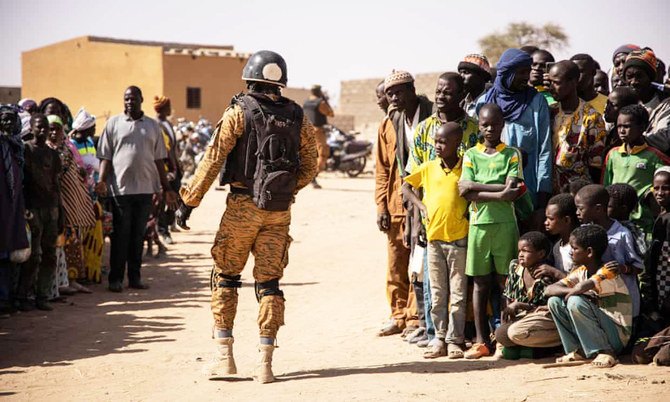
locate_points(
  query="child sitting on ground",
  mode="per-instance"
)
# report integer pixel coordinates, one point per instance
(591, 306)
(592, 202)
(634, 162)
(525, 321)
(561, 220)
(490, 180)
(447, 231)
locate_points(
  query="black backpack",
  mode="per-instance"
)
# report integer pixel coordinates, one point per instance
(271, 159)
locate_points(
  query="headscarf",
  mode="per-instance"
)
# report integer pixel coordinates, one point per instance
(67, 115)
(11, 146)
(52, 118)
(27, 103)
(160, 102)
(83, 120)
(512, 103)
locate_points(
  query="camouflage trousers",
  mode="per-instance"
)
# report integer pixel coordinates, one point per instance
(247, 229)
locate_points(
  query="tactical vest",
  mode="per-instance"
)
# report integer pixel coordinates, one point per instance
(311, 107)
(266, 157)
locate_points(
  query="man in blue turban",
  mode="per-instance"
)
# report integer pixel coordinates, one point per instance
(527, 123)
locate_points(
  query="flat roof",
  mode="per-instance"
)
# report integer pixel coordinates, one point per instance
(164, 45)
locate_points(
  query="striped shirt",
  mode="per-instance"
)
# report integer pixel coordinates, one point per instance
(613, 297)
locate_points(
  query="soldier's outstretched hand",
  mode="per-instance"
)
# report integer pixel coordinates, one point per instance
(182, 214)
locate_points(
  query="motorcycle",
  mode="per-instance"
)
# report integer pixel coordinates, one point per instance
(347, 154)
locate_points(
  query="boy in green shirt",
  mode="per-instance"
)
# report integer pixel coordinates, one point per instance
(491, 180)
(634, 162)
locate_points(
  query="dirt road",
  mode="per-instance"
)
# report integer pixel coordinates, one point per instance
(151, 345)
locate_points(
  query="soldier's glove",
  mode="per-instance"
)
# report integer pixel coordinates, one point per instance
(182, 214)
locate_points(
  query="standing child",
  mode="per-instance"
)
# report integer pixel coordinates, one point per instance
(591, 306)
(656, 298)
(447, 231)
(634, 162)
(591, 202)
(623, 200)
(490, 179)
(561, 219)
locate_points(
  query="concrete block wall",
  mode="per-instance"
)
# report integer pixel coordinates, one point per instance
(358, 99)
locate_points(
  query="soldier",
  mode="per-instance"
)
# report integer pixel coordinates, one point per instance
(270, 152)
(318, 110)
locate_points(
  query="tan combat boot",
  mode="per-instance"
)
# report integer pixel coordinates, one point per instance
(263, 372)
(224, 362)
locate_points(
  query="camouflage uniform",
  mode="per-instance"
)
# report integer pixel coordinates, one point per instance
(245, 228)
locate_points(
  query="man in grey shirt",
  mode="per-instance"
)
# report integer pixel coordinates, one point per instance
(132, 153)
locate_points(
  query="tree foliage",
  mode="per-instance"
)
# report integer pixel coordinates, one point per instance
(518, 34)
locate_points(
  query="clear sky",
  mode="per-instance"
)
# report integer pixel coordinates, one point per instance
(326, 42)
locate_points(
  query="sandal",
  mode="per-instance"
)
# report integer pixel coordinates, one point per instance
(454, 351)
(476, 351)
(603, 360)
(80, 288)
(570, 357)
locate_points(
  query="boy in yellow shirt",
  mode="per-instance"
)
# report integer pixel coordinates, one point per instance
(446, 232)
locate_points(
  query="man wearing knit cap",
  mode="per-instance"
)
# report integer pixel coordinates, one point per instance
(619, 58)
(476, 72)
(395, 135)
(638, 72)
(163, 109)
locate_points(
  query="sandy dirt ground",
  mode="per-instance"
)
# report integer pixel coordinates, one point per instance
(152, 345)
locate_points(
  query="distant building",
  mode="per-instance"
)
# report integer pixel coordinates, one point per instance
(92, 71)
(10, 95)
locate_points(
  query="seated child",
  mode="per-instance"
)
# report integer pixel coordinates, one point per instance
(592, 202)
(591, 306)
(634, 162)
(490, 181)
(446, 232)
(561, 220)
(524, 322)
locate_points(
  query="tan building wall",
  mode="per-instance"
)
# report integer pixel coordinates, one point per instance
(93, 72)
(81, 72)
(358, 99)
(298, 95)
(219, 79)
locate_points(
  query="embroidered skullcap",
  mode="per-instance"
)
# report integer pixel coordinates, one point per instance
(83, 120)
(161, 102)
(397, 78)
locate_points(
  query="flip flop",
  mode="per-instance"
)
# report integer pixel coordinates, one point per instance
(604, 360)
(454, 351)
(571, 359)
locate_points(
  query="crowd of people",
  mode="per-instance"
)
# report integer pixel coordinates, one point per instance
(63, 190)
(527, 208)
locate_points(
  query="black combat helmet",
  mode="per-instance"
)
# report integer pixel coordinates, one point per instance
(266, 66)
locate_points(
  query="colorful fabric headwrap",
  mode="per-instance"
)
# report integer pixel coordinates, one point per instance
(161, 102)
(512, 103)
(83, 120)
(52, 118)
(644, 59)
(624, 49)
(11, 146)
(27, 103)
(397, 78)
(478, 63)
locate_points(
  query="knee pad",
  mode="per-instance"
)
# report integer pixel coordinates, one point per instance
(227, 281)
(269, 288)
